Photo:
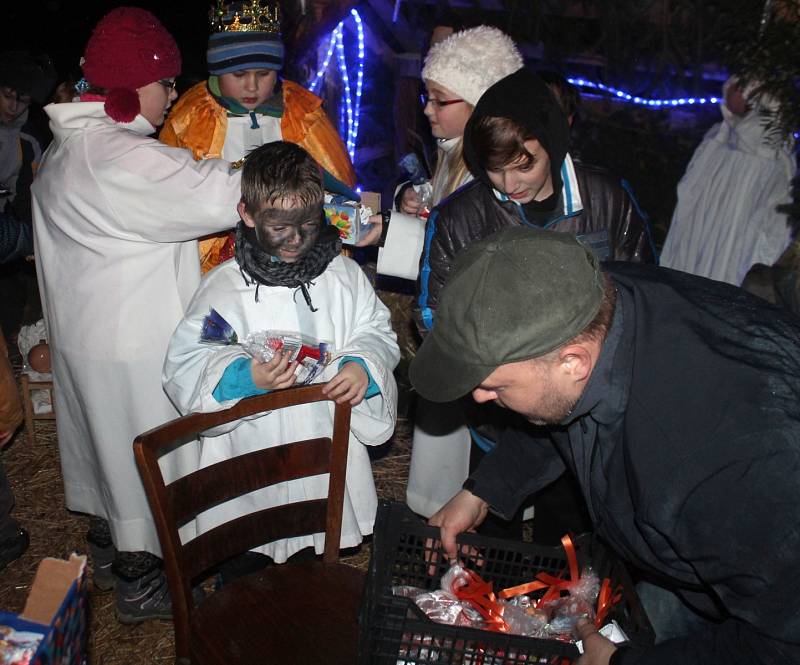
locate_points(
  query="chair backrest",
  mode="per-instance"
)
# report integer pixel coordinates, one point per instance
(181, 501)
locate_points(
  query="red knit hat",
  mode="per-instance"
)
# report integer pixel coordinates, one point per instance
(128, 49)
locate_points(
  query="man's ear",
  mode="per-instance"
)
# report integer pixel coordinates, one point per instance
(577, 360)
(246, 217)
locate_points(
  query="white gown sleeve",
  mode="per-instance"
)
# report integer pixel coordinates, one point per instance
(372, 339)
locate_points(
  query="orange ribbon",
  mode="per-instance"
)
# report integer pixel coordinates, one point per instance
(554, 585)
(606, 599)
(480, 595)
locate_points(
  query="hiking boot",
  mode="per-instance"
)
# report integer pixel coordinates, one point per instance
(13, 547)
(102, 558)
(144, 598)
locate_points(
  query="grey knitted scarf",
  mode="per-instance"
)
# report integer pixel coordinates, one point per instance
(258, 267)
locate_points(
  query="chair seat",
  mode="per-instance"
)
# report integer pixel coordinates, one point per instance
(285, 614)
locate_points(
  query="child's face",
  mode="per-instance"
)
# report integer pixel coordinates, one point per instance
(12, 105)
(249, 87)
(286, 230)
(155, 99)
(447, 120)
(527, 178)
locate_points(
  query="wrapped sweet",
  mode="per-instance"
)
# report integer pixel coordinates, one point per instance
(18, 647)
(311, 355)
(349, 218)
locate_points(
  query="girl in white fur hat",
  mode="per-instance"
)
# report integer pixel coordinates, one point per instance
(457, 71)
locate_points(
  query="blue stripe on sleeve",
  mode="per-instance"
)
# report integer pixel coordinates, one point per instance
(567, 189)
(237, 382)
(425, 272)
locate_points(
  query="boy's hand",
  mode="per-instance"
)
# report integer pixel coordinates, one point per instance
(349, 384)
(373, 236)
(276, 374)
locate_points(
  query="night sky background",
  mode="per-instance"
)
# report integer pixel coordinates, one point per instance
(650, 149)
(61, 29)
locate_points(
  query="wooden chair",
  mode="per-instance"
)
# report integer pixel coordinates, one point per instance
(289, 613)
(30, 415)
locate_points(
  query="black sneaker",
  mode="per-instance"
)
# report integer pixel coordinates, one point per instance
(13, 547)
(144, 598)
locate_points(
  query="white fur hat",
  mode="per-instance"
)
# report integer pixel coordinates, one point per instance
(471, 61)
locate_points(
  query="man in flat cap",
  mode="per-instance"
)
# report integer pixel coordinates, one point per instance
(673, 398)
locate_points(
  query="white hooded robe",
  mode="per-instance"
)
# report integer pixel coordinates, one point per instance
(115, 218)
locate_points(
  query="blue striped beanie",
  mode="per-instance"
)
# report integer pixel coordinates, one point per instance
(233, 51)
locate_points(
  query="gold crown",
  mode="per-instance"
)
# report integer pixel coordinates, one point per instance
(253, 16)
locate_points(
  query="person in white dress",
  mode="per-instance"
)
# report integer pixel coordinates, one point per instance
(115, 215)
(726, 219)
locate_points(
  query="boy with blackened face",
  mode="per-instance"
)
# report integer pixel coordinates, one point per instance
(281, 241)
(288, 276)
(282, 200)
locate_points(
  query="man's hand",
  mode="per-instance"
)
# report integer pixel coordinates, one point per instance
(350, 383)
(597, 649)
(410, 202)
(374, 234)
(276, 374)
(464, 512)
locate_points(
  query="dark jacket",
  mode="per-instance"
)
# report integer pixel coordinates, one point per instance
(686, 444)
(609, 221)
(587, 201)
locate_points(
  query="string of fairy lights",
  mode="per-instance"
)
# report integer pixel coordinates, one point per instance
(352, 106)
(351, 102)
(623, 96)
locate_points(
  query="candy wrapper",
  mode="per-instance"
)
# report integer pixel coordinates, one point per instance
(349, 218)
(312, 355)
(467, 600)
(566, 611)
(17, 647)
(464, 599)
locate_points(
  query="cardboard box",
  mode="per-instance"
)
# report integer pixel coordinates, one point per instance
(346, 216)
(56, 607)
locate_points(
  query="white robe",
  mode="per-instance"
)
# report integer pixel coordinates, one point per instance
(115, 217)
(725, 219)
(350, 316)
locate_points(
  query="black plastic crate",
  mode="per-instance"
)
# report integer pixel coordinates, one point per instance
(394, 631)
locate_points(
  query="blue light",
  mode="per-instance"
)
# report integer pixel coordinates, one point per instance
(620, 95)
(350, 109)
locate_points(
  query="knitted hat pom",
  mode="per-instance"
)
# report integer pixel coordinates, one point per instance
(122, 104)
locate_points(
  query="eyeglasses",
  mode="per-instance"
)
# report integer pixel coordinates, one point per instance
(438, 103)
(169, 85)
